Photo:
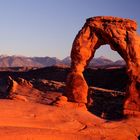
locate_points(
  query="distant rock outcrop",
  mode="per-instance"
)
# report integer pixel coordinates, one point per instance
(121, 35)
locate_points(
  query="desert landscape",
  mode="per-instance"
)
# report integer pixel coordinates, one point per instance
(34, 105)
(64, 101)
(69, 70)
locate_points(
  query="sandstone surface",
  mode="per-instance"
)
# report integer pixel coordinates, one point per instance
(32, 121)
(122, 37)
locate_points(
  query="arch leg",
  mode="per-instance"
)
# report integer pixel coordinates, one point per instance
(82, 52)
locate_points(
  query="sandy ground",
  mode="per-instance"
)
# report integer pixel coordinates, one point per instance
(31, 121)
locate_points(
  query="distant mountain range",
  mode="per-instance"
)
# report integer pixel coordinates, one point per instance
(99, 62)
(22, 61)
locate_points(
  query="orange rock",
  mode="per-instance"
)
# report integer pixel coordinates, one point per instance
(24, 82)
(19, 97)
(12, 85)
(62, 98)
(60, 101)
(77, 88)
(121, 35)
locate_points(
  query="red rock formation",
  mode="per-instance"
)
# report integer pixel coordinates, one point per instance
(24, 82)
(121, 35)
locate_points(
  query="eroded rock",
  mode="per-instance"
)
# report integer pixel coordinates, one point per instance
(12, 86)
(122, 37)
(61, 100)
(24, 82)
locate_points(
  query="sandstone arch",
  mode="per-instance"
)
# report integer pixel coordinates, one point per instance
(121, 35)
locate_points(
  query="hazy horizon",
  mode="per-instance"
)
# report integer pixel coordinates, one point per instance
(48, 27)
(105, 57)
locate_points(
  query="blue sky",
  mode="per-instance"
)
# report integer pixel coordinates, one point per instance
(48, 27)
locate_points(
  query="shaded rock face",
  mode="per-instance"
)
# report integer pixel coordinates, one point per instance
(121, 35)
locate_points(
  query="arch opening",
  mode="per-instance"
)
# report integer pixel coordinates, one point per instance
(107, 83)
(107, 52)
(106, 72)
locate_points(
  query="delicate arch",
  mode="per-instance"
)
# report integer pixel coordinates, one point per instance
(121, 35)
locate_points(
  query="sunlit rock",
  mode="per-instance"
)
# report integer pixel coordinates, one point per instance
(122, 37)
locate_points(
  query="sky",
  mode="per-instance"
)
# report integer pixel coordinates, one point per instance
(48, 27)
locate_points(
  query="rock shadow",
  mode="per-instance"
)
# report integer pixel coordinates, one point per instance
(106, 105)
